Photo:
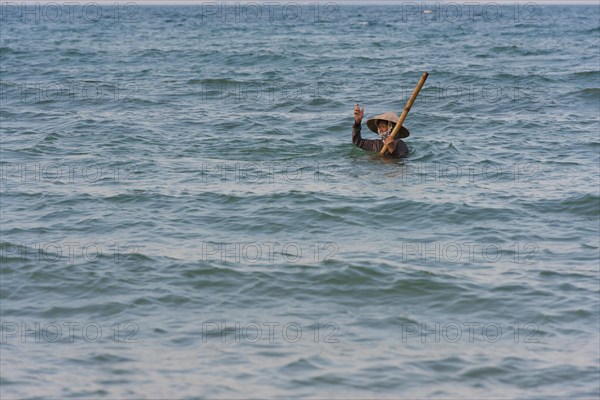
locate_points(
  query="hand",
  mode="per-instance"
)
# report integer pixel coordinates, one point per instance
(358, 114)
(389, 144)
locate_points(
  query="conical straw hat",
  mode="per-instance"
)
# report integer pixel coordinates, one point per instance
(391, 117)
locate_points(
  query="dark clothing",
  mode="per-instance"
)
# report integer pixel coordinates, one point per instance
(401, 149)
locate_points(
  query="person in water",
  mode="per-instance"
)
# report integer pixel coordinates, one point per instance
(383, 125)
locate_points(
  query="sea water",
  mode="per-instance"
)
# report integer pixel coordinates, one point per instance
(184, 215)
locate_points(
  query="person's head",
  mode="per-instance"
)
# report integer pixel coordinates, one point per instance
(384, 126)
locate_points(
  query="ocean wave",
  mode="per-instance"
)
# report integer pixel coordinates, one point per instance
(584, 205)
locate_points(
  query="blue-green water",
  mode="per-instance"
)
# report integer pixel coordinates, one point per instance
(184, 214)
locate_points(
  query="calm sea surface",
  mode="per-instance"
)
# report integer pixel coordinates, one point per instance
(184, 215)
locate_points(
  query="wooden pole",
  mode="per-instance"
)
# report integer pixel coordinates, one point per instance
(412, 99)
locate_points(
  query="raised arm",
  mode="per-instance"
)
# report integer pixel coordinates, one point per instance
(365, 144)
